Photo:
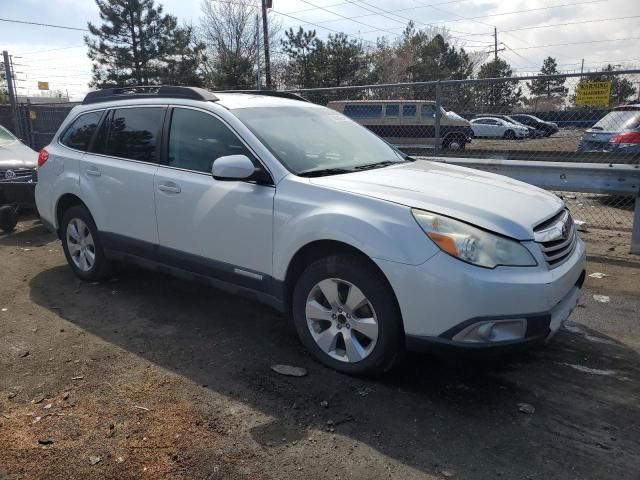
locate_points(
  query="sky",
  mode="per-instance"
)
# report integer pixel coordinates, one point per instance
(598, 31)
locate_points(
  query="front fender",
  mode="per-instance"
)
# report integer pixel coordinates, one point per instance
(305, 213)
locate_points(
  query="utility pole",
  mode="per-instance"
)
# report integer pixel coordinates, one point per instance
(581, 69)
(12, 92)
(265, 29)
(258, 52)
(495, 44)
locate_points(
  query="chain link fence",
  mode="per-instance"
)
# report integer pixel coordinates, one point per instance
(588, 118)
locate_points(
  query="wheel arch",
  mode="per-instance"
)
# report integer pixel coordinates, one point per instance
(318, 249)
(65, 202)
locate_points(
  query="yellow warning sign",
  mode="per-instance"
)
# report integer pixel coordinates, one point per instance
(593, 93)
(43, 85)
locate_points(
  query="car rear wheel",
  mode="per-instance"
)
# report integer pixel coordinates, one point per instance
(345, 314)
(509, 135)
(82, 246)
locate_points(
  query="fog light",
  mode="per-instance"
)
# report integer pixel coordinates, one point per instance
(490, 331)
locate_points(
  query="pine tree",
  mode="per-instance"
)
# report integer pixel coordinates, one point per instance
(302, 48)
(548, 87)
(622, 90)
(498, 96)
(137, 44)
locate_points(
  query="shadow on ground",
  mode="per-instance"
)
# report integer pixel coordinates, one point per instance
(429, 413)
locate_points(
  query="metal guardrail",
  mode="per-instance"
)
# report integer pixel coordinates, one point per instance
(609, 179)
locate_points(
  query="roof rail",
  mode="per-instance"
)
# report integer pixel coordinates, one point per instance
(151, 91)
(272, 93)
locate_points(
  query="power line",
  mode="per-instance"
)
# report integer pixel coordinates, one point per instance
(351, 19)
(10, 20)
(49, 50)
(576, 43)
(319, 26)
(407, 19)
(525, 11)
(564, 24)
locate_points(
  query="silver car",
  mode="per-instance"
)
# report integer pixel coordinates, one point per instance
(617, 131)
(18, 176)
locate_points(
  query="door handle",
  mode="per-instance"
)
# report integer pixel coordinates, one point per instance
(94, 172)
(169, 187)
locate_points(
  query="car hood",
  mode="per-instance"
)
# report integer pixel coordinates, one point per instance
(17, 155)
(494, 202)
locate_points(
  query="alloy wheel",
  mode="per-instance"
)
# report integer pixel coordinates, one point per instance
(341, 320)
(80, 244)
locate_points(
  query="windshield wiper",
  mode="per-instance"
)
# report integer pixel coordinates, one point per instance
(370, 166)
(322, 172)
(597, 128)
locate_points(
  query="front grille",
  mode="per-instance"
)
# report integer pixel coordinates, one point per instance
(18, 175)
(557, 238)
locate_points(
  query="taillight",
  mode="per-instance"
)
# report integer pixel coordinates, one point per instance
(43, 156)
(628, 137)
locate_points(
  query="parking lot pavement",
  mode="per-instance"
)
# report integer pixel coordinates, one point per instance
(150, 377)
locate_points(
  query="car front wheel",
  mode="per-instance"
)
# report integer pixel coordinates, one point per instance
(82, 246)
(345, 314)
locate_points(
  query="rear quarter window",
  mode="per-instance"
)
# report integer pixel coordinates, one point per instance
(78, 135)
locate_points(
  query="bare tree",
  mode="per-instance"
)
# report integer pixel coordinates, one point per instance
(231, 33)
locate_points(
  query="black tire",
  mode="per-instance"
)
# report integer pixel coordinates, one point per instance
(389, 346)
(455, 143)
(101, 267)
(509, 135)
(8, 218)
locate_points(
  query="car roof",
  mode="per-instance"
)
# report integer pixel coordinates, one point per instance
(348, 102)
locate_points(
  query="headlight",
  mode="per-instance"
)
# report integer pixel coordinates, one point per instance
(472, 244)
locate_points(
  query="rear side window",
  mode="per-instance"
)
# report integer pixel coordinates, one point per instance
(196, 139)
(409, 110)
(131, 133)
(363, 111)
(78, 134)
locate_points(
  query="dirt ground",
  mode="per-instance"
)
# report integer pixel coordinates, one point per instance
(146, 376)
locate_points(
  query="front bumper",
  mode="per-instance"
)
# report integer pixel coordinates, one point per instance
(441, 297)
(19, 191)
(539, 327)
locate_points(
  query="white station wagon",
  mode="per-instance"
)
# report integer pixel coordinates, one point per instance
(370, 252)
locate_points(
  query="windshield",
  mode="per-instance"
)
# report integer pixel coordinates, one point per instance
(618, 120)
(309, 140)
(6, 137)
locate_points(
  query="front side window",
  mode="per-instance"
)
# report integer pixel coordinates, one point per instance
(428, 111)
(409, 110)
(78, 134)
(131, 133)
(363, 111)
(196, 139)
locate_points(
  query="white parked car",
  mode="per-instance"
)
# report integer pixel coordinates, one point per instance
(369, 251)
(497, 128)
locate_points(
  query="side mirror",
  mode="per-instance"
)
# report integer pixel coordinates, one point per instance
(232, 167)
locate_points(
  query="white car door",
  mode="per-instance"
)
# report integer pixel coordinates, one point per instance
(494, 127)
(220, 229)
(480, 127)
(116, 178)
